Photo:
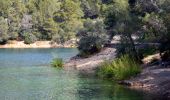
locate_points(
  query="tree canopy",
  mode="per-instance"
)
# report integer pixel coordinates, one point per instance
(62, 20)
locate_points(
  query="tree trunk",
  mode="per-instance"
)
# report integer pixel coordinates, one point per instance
(132, 44)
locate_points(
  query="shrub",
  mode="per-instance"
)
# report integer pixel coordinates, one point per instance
(29, 38)
(13, 35)
(92, 37)
(147, 50)
(119, 69)
(106, 70)
(3, 30)
(89, 45)
(57, 62)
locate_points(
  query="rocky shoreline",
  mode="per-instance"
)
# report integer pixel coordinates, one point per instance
(89, 65)
(153, 79)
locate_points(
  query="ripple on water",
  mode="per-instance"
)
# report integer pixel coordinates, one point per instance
(25, 75)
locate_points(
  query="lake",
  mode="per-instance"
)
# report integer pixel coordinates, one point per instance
(25, 74)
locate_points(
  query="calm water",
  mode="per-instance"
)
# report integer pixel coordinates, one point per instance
(25, 74)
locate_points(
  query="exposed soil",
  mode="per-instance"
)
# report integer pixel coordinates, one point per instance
(153, 79)
(90, 64)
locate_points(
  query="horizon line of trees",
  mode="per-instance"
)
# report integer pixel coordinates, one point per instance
(149, 20)
(56, 20)
(94, 22)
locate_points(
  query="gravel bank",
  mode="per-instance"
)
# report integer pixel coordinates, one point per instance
(153, 79)
(90, 64)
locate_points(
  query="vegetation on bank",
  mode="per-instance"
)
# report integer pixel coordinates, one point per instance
(31, 20)
(119, 69)
(93, 37)
(57, 62)
(93, 22)
(147, 20)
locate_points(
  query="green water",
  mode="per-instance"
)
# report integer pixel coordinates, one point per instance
(25, 74)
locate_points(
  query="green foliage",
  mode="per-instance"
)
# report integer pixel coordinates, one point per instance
(91, 8)
(42, 15)
(13, 35)
(12, 12)
(120, 20)
(57, 62)
(29, 38)
(119, 69)
(3, 30)
(70, 10)
(154, 27)
(147, 50)
(92, 37)
(61, 20)
(56, 20)
(90, 44)
(106, 70)
(117, 13)
(49, 29)
(69, 18)
(4, 8)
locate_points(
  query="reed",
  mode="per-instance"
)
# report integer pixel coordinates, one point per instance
(120, 68)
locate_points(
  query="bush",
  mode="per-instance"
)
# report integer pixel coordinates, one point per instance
(3, 30)
(13, 35)
(57, 62)
(89, 45)
(147, 50)
(106, 70)
(29, 38)
(92, 37)
(119, 69)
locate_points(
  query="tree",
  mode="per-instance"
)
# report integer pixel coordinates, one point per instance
(69, 18)
(3, 30)
(4, 8)
(49, 29)
(43, 12)
(15, 15)
(119, 21)
(29, 38)
(91, 8)
(93, 37)
(165, 40)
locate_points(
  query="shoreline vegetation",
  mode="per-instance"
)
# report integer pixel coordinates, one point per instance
(120, 68)
(57, 62)
(34, 23)
(152, 78)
